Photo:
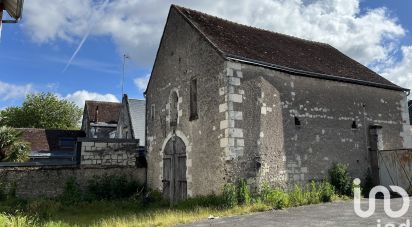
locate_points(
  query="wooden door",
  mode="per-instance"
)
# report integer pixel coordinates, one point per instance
(174, 170)
(375, 140)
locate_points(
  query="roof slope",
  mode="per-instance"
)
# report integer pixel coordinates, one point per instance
(137, 117)
(262, 47)
(47, 139)
(108, 111)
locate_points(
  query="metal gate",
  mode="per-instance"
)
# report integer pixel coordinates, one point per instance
(174, 170)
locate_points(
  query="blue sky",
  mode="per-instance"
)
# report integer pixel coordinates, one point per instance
(34, 53)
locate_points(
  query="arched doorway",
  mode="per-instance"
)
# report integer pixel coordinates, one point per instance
(174, 170)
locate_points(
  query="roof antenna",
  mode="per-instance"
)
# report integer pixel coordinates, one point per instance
(125, 56)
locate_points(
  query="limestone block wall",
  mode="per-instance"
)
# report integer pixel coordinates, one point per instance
(50, 181)
(108, 152)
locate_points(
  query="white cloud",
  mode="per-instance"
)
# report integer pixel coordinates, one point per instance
(401, 73)
(12, 91)
(141, 82)
(79, 97)
(370, 37)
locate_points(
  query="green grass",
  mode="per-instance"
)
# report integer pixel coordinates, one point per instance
(134, 212)
(120, 213)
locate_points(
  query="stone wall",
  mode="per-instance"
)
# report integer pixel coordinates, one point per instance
(184, 55)
(326, 111)
(49, 181)
(108, 152)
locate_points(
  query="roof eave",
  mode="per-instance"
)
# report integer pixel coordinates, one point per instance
(232, 57)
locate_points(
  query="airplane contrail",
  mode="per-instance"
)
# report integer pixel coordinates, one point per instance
(84, 37)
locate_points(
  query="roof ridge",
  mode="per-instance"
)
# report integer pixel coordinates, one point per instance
(250, 26)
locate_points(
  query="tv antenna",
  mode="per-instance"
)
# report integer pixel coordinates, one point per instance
(14, 8)
(125, 56)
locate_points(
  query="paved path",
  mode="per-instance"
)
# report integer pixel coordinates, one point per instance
(327, 214)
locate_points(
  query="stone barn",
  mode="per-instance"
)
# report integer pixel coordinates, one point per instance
(227, 101)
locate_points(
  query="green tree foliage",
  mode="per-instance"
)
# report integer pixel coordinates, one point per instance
(12, 147)
(42, 110)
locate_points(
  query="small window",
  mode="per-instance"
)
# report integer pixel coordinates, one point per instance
(67, 143)
(354, 125)
(152, 112)
(297, 121)
(193, 99)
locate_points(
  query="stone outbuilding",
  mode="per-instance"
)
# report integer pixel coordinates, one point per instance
(227, 101)
(100, 119)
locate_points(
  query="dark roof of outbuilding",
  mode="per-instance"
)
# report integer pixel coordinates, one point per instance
(48, 139)
(108, 111)
(282, 52)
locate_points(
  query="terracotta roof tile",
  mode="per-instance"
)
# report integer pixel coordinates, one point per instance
(270, 48)
(108, 111)
(48, 139)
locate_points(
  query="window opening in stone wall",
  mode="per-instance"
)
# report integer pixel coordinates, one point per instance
(193, 99)
(297, 121)
(173, 100)
(354, 125)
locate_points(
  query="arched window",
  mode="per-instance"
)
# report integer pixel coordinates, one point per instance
(173, 100)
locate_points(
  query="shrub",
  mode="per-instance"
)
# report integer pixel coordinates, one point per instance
(230, 195)
(12, 146)
(72, 193)
(296, 196)
(275, 198)
(326, 191)
(339, 178)
(312, 193)
(111, 187)
(244, 196)
(3, 194)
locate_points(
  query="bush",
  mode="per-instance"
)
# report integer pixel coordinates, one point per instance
(340, 179)
(327, 191)
(72, 193)
(244, 196)
(111, 187)
(296, 196)
(275, 198)
(230, 195)
(312, 193)
(12, 146)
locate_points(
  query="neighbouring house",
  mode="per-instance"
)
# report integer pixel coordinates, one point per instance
(131, 123)
(100, 119)
(227, 101)
(52, 145)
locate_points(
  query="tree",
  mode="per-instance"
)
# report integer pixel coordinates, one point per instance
(12, 147)
(42, 110)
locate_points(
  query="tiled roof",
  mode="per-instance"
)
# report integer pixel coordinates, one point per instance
(282, 52)
(108, 111)
(48, 139)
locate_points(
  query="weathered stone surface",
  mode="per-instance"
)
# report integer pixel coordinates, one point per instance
(49, 182)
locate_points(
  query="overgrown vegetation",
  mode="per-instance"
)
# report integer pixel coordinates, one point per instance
(115, 201)
(340, 179)
(12, 146)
